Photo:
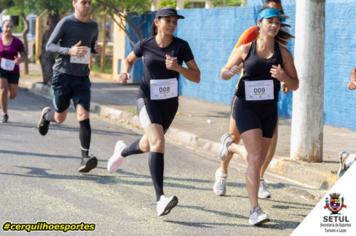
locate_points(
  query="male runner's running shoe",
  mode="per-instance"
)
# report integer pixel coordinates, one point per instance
(88, 163)
(5, 118)
(165, 205)
(343, 166)
(263, 192)
(116, 159)
(220, 183)
(43, 124)
(258, 217)
(226, 141)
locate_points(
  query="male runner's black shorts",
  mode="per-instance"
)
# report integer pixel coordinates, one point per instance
(160, 112)
(13, 78)
(66, 87)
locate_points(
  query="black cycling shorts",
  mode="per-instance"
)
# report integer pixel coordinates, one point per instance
(13, 78)
(249, 115)
(160, 112)
(66, 87)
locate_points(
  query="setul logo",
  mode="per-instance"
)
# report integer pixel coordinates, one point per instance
(335, 222)
(335, 205)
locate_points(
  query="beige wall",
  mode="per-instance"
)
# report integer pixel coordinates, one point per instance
(119, 50)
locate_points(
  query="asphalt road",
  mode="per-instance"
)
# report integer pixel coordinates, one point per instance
(39, 182)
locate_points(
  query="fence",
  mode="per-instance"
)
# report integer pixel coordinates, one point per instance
(212, 34)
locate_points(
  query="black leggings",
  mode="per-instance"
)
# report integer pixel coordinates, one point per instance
(154, 112)
(251, 115)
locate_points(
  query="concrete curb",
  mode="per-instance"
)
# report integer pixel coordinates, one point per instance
(282, 167)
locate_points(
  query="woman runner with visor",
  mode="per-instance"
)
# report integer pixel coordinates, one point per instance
(233, 137)
(266, 64)
(157, 98)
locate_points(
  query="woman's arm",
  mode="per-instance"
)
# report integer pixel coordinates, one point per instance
(232, 68)
(352, 84)
(288, 75)
(21, 59)
(192, 73)
(128, 63)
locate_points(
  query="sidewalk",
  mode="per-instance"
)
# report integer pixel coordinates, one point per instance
(191, 129)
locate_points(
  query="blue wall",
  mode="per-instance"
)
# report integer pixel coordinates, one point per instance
(212, 34)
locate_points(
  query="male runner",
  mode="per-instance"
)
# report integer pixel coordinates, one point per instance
(77, 36)
(347, 159)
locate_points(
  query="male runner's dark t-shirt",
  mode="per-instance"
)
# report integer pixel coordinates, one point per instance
(68, 32)
(155, 61)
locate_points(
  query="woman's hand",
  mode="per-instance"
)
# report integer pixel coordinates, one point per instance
(124, 77)
(277, 72)
(17, 60)
(171, 64)
(235, 70)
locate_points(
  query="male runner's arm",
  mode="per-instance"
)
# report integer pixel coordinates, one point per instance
(95, 47)
(352, 84)
(56, 35)
(288, 74)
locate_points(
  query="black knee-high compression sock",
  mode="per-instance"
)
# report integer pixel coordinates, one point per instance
(85, 136)
(156, 164)
(50, 116)
(134, 148)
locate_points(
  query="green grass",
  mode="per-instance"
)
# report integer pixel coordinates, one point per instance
(132, 111)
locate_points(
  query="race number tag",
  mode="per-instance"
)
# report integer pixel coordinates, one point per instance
(259, 90)
(80, 59)
(7, 64)
(164, 88)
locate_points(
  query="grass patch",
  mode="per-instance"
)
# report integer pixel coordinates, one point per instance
(132, 111)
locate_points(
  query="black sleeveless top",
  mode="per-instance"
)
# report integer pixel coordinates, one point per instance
(257, 68)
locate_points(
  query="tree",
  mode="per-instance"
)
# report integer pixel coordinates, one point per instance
(124, 10)
(24, 32)
(54, 7)
(227, 3)
(5, 4)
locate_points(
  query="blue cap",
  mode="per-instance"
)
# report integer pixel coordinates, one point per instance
(269, 13)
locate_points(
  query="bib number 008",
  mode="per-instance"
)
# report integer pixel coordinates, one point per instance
(164, 89)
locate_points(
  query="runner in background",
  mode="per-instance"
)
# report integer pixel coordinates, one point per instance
(77, 37)
(221, 174)
(346, 158)
(10, 47)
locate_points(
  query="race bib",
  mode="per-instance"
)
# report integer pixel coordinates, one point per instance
(259, 90)
(7, 64)
(80, 59)
(164, 89)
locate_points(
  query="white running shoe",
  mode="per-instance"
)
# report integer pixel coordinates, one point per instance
(263, 191)
(220, 183)
(226, 141)
(116, 159)
(258, 217)
(165, 205)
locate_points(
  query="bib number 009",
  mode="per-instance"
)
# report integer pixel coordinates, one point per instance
(259, 90)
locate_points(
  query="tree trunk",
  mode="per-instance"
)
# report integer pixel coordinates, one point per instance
(47, 59)
(24, 36)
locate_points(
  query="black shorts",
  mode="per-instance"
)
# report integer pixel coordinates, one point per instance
(252, 115)
(66, 87)
(160, 112)
(13, 78)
